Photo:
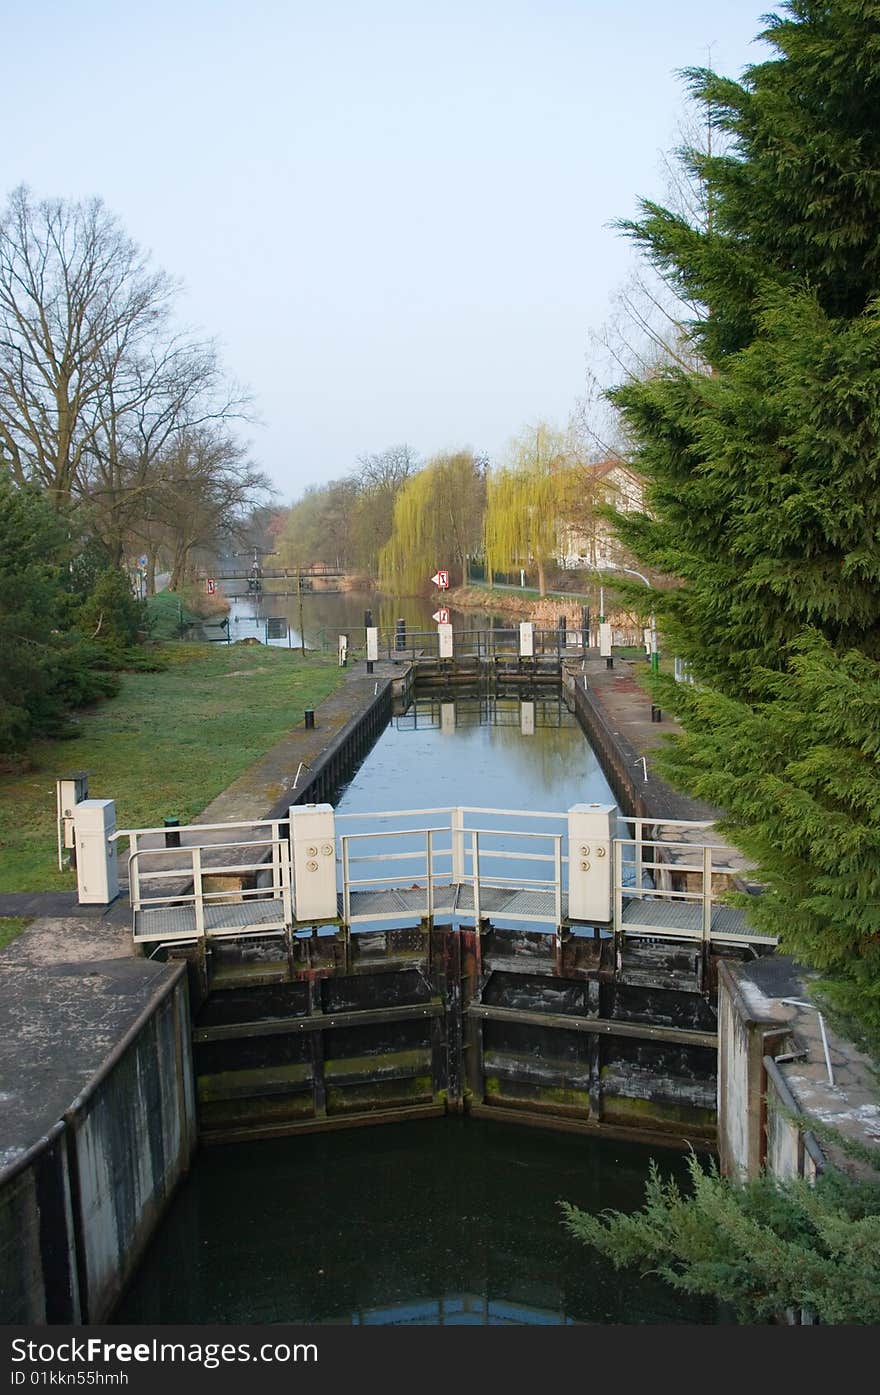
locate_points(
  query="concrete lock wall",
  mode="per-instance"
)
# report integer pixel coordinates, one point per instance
(78, 1209)
(758, 1128)
(134, 1134)
(785, 1149)
(737, 1138)
(38, 1279)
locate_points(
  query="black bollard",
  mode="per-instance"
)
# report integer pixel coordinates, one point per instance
(172, 840)
(609, 662)
(656, 714)
(310, 718)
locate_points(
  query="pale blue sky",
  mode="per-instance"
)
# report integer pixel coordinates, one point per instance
(394, 216)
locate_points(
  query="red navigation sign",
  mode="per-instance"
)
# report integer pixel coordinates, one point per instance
(441, 616)
(212, 586)
(441, 579)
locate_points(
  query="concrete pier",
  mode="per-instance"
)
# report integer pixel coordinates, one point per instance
(98, 1114)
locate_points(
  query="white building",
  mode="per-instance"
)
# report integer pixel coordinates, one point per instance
(589, 540)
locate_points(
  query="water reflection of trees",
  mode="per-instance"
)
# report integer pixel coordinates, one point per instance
(549, 760)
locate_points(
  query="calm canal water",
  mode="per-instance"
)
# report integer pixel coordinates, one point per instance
(325, 615)
(444, 1221)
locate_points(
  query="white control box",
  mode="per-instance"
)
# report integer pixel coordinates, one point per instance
(313, 846)
(605, 640)
(526, 639)
(444, 636)
(97, 877)
(591, 862)
(372, 643)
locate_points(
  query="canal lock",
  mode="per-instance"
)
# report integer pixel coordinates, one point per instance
(329, 1029)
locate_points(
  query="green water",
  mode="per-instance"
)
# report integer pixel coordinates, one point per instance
(440, 1221)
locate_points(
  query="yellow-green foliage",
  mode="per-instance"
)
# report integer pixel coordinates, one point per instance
(524, 499)
(437, 522)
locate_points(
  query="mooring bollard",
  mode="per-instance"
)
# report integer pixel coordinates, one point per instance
(309, 715)
(172, 840)
(656, 714)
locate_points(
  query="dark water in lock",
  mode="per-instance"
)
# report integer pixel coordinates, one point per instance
(444, 1221)
(434, 1221)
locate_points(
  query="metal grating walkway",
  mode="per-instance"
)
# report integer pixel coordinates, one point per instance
(507, 903)
(648, 916)
(236, 918)
(652, 916)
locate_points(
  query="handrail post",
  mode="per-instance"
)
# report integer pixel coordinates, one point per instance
(429, 859)
(284, 869)
(276, 856)
(198, 903)
(557, 872)
(618, 885)
(457, 828)
(346, 889)
(475, 858)
(707, 893)
(134, 875)
(639, 855)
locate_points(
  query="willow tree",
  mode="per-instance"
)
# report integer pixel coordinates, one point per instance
(525, 499)
(438, 517)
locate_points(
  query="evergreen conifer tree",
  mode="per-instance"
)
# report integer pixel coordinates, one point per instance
(763, 471)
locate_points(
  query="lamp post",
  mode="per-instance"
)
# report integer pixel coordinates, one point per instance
(617, 567)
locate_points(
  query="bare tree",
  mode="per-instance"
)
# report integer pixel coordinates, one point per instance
(648, 329)
(386, 472)
(207, 491)
(150, 402)
(77, 300)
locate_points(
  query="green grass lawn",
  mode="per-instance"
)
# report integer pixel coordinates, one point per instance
(10, 926)
(166, 745)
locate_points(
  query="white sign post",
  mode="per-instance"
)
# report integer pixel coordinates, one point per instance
(526, 639)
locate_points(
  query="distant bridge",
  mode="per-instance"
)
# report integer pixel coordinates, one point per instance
(273, 573)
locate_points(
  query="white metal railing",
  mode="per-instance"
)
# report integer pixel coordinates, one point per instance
(463, 859)
(432, 858)
(643, 878)
(165, 878)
